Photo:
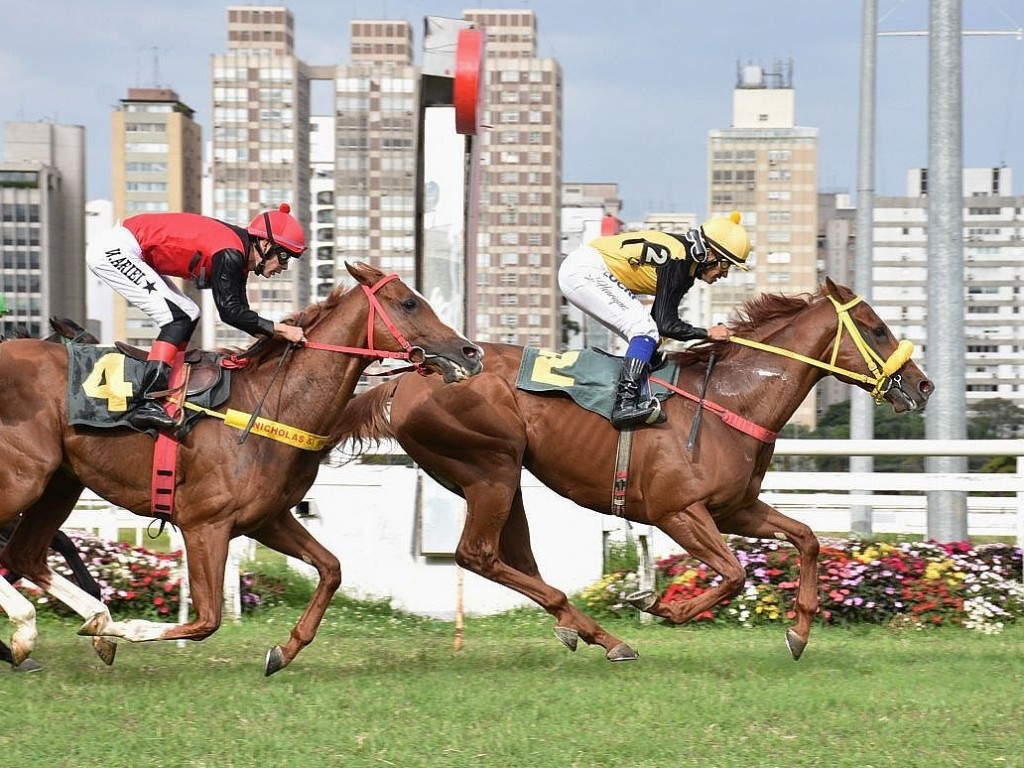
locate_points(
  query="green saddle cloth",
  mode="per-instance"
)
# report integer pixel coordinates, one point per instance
(102, 382)
(587, 376)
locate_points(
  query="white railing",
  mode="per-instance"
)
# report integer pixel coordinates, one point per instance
(823, 499)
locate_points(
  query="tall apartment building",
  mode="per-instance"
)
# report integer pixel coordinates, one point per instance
(766, 167)
(260, 144)
(376, 119)
(322, 211)
(518, 244)
(42, 225)
(993, 248)
(836, 246)
(156, 158)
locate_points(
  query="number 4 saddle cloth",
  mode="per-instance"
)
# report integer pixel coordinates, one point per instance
(588, 376)
(102, 383)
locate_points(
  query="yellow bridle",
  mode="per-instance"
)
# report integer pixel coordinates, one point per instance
(881, 370)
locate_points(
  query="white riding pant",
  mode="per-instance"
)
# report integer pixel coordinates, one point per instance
(115, 257)
(587, 283)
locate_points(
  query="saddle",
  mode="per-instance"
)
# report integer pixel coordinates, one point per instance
(204, 372)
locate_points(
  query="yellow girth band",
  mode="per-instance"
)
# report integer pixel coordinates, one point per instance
(299, 438)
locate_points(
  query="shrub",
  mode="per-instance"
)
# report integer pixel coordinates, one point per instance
(906, 583)
(135, 582)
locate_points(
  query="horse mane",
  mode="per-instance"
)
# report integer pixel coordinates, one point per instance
(755, 313)
(272, 348)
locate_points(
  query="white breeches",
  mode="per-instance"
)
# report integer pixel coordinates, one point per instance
(587, 283)
(115, 257)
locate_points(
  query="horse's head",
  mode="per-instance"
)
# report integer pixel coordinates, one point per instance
(405, 316)
(865, 345)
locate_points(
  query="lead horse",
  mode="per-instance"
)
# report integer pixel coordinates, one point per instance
(224, 488)
(476, 437)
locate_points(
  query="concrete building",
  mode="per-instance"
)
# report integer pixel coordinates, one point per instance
(42, 225)
(836, 242)
(993, 276)
(519, 241)
(766, 167)
(260, 147)
(156, 166)
(376, 105)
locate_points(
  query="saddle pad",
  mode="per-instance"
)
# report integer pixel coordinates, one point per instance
(585, 375)
(102, 381)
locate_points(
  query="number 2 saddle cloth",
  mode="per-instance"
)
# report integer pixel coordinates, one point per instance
(588, 376)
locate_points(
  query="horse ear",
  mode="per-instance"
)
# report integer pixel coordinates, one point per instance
(361, 271)
(836, 291)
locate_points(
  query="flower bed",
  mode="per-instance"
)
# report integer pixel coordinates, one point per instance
(138, 583)
(910, 583)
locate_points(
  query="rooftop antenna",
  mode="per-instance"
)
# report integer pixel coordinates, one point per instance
(156, 67)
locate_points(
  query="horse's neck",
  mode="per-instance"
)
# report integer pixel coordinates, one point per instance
(317, 384)
(765, 387)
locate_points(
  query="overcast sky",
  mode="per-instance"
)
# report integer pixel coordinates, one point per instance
(644, 80)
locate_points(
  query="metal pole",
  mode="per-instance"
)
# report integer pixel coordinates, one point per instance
(945, 417)
(862, 425)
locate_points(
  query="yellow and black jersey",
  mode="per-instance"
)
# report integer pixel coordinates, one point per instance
(633, 257)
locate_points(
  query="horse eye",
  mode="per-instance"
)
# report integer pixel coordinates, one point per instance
(879, 331)
(410, 304)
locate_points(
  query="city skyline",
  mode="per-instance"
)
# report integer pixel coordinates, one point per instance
(636, 113)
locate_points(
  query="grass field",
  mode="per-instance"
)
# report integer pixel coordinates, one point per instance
(379, 690)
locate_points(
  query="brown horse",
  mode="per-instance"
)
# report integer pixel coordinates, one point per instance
(476, 437)
(224, 488)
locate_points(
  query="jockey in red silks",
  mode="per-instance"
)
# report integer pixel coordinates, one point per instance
(139, 255)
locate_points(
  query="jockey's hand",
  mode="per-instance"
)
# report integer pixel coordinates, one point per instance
(719, 333)
(293, 333)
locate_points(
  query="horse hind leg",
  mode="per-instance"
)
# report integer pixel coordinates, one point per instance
(763, 521)
(509, 561)
(22, 614)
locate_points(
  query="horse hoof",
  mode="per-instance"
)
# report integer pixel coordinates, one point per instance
(796, 644)
(568, 637)
(28, 665)
(93, 627)
(274, 662)
(622, 652)
(642, 600)
(105, 648)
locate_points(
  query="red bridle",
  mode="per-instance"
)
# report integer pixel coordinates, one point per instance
(414, 355)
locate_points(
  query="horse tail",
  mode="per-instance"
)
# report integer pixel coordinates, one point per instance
(365, 419)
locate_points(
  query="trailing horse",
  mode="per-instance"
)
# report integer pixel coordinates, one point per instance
(225, 487)
(476, 438)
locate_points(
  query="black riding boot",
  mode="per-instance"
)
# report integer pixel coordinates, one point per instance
(628, 409)
(149, 413)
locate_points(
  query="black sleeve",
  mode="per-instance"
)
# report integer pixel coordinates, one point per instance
(228, 286)
(673, 283)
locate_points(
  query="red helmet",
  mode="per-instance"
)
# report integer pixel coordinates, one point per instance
(279, 228)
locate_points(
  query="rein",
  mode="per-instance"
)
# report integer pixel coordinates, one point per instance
(882, 371)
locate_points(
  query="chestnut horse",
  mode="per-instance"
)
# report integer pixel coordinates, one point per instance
(476, 437)
(225, 487)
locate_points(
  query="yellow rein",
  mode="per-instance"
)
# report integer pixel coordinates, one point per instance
(881, 370)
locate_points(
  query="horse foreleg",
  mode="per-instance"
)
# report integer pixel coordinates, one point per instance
(766, 522)
(207, 549)
(286, 535)
(571, 624)
(695, 531)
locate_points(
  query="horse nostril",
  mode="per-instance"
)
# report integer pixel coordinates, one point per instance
(926, 387)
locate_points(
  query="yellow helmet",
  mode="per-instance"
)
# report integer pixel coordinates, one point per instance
(728, 239)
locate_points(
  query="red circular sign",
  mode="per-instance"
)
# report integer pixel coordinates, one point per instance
(467, 89)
